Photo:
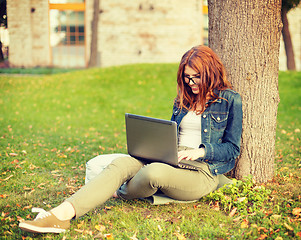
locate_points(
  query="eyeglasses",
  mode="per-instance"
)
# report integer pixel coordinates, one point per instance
(192, 79)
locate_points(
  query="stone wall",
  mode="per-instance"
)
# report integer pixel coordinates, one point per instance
(146, 31)
(28, 33)
(40, 33)
(19, 25)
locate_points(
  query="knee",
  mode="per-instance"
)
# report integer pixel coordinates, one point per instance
(154, 173)
(123, 162)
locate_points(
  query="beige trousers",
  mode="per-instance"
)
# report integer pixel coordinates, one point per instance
(143, 180)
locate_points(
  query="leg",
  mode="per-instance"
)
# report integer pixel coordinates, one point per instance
(102, 187)
(180, 184)
(96, 192)
(65, 211)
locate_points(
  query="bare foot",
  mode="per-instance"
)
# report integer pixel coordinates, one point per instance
(115, 195)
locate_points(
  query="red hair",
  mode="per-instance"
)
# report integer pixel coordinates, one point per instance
(212, 73)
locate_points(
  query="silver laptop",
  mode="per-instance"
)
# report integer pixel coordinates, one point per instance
(154, 140)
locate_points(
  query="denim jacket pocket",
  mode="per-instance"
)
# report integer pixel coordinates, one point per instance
(221, 167)
(219, 121)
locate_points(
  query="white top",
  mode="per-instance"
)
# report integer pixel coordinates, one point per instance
(190, 130)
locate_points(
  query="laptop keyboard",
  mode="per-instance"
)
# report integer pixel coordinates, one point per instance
(186, 166)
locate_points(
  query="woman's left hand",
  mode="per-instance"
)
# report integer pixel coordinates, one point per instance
(192, 154)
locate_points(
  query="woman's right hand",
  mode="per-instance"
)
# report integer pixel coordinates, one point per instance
(191, 154)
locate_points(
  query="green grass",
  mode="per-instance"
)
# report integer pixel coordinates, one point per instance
(37, 70)
(52, 124)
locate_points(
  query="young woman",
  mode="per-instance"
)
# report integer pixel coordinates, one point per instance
(209, 117)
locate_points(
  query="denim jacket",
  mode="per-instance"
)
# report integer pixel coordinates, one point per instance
(221, 126)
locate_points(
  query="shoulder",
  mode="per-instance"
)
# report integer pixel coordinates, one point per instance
(230, 95)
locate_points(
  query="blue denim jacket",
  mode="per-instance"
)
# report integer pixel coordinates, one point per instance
(221, 127)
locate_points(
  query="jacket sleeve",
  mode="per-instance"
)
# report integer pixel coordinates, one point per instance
(229, 148)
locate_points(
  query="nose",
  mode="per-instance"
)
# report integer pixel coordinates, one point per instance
(191, 82)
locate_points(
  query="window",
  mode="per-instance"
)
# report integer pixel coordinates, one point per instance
(67, 33)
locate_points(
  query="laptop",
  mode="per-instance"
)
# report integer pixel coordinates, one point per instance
(154, 140)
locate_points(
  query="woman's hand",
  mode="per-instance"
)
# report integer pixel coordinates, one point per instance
(191, 154)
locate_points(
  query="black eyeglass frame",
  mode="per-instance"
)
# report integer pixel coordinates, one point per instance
(190, 78)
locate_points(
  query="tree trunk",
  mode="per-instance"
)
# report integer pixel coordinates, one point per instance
(246, 35)
(94, 35)
(1, 52)
(290, 58)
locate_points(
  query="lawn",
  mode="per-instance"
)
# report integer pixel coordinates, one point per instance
(51, 125)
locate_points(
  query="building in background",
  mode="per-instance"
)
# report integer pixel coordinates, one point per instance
(67, 34)
(57, 33)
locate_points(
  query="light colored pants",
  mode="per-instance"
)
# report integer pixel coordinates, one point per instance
(143, 180)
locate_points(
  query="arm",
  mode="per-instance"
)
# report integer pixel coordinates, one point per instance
(229, 148)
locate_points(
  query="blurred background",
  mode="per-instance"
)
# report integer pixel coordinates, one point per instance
(101, 33)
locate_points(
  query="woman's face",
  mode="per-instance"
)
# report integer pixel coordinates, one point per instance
(192, 78)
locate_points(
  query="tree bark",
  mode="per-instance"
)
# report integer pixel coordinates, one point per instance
(246, 36)
(94, 35)
(288, 45)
